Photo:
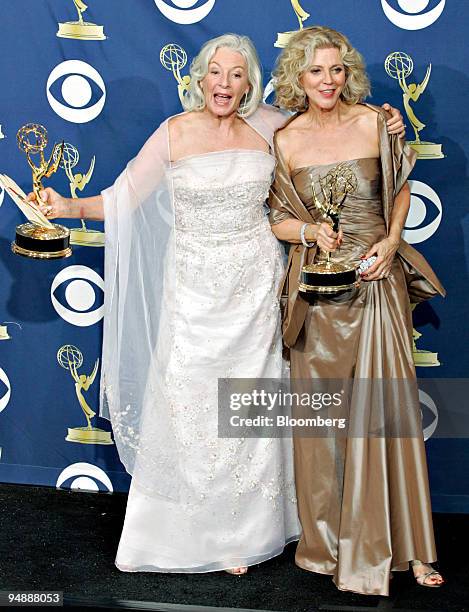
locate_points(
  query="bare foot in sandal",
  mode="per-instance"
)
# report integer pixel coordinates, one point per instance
(425, 575)
(237, 571)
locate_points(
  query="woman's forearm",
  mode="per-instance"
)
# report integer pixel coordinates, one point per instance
(289, 231)
(86, 208)
(399, 214)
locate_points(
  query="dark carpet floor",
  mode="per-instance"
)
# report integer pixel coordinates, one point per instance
(64, 540)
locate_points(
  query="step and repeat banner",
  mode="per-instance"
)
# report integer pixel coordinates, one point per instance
(101, 76)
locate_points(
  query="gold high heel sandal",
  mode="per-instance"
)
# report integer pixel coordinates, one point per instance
(422, 578)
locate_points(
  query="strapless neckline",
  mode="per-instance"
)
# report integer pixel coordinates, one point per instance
(296, 171)
(214, 154)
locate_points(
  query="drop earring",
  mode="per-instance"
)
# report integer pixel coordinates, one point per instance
(243, 105)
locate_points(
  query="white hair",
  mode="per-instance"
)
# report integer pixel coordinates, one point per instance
(195, 100)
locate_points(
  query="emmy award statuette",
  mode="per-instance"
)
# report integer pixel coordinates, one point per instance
(329, 276)
(80, 236)
(39, 238)
(81, 30)
(399, 66)
(174, 58)
(71, 358)
(302, 15)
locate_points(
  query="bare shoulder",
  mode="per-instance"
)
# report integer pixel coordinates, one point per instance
(288, 139)
(184, 130)
(285, 141)
(288, 133)
(178, 124)
(282, 137)
(365, 115)
(366, 120)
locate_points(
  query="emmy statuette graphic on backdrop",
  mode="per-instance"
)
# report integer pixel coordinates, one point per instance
(39, 238)
(81, 30)
(71, 358)
(174, 58)
(329, 276)
(302, 15)
(4, 335)
(80, 236)
(2, 135)
(422, 358)
(399, 66)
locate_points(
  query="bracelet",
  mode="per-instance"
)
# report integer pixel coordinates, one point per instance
(302, 236)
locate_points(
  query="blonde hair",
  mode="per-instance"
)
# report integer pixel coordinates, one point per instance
(298, 56)
(195, 100)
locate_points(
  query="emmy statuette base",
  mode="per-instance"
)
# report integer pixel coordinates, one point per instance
(39, 242)
(425, 359)
(282, 39)
(4, 335)
(45, 255)
(86, 237)
(321, 289)
(83, 435)
(427, 150)
(81, 31)
(327, 277)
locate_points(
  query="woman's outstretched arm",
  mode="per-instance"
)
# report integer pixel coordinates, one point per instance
(55, 206)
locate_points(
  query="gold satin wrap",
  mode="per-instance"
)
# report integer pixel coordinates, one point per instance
(397, 160)
(363, 501)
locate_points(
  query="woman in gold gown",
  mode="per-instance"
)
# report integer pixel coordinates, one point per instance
(363, 500)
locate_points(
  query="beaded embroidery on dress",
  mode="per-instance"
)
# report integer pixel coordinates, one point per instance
(236, 501)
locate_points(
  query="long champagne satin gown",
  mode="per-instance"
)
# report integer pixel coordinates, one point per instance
(363, 501)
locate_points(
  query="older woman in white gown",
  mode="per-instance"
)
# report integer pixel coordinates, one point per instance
(191, 277)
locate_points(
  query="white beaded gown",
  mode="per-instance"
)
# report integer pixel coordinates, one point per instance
(238, 502)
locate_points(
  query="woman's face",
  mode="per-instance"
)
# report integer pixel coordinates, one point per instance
(226, 82)
(324, 81)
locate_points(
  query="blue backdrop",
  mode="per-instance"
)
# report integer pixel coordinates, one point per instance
(105, 97)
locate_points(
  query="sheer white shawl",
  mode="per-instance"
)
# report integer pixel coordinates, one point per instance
(140, 286)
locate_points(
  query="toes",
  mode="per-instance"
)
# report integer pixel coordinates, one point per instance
(237, 571)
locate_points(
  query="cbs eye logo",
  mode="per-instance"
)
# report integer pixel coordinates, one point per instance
(5, 390)
(84, 476)
(81, 88)
(74, 285)
(185, 12)
(415, 15)
(424, 204)
(429, 413)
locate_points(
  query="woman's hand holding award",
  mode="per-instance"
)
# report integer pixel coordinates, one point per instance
(329, 276)
(38, 238)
